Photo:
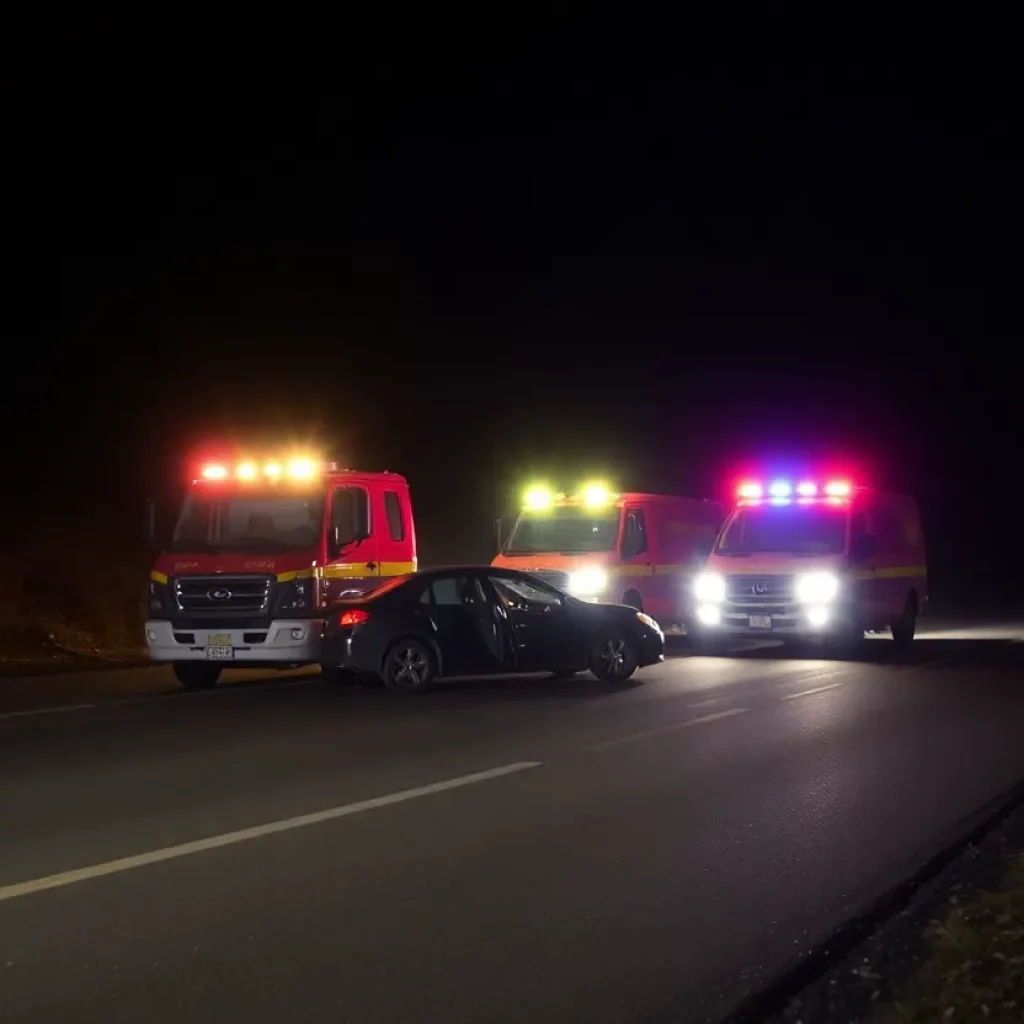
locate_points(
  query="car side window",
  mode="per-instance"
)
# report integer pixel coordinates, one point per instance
(525, 596)
(634, 537)
(445, 591)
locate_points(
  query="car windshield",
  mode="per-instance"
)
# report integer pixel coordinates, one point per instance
(566, 530)
(785, 530)
(249, 522)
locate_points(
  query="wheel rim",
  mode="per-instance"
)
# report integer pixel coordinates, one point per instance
(411, 667)
(614, 657)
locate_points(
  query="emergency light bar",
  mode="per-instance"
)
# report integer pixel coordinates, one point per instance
(593, 495)
(783, 490)
(295, 468)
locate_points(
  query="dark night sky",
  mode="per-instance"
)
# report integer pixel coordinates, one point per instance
(469, 263)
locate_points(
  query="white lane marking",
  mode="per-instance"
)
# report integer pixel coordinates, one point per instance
(807, 693)
(113, 867)
(709, 701)
(154, 697)
(619, 740)
(46, 711)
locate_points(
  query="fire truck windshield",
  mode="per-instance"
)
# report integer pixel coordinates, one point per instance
(248, 522)
(786, 529)
(566, 530)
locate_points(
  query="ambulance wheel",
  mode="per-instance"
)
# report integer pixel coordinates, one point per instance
(196, 675)
(634, 600)
(904, 628)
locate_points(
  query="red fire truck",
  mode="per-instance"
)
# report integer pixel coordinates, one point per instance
(259, 549)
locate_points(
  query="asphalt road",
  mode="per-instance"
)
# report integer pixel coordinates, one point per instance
(499, 851)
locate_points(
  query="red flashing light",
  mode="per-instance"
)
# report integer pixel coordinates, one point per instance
(356, 617)
(750, 491)
(838, 489)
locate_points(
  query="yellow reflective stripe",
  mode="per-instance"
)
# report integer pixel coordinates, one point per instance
(671, 570)
(158, 577)
(897, 572)
(348, 570)
(397, 568)
(294, 574)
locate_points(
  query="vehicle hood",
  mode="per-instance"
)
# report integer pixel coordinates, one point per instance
(207, 564)
(555, 560)
(774, 565)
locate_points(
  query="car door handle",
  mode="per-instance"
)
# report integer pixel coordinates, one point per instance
(371, 565)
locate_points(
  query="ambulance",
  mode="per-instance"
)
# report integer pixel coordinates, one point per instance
(814, 560)
(259, 548)
(638, 549)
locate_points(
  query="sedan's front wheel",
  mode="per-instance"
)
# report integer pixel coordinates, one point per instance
(615, 657)
(409, 667)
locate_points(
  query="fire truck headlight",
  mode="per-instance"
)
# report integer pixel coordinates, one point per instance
(293, 596)
(588, 582)
(709, 587)
(817, 587)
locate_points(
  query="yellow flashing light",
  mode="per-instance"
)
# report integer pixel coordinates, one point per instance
(272, 470)
(596, 494)
(537, 497)
(302, 469)
(246, 471)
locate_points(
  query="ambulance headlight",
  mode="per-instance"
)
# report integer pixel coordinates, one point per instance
(709, 587)
(588, 582)
(817, 587)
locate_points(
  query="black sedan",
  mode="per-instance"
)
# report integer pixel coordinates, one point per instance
(478, 620)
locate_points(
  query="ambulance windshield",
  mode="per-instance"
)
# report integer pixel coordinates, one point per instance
(566, 530)
(249, 522)
(785, 529)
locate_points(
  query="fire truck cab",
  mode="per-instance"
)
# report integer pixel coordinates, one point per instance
(642, 550)
(259, 550)
(823, 562)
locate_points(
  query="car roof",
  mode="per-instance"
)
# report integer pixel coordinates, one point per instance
(450, 570)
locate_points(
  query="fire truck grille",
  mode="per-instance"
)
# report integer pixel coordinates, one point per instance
(554, 577)
(216, 595)
(759, 589)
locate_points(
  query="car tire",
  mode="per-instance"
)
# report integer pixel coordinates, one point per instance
(196, 675)
(904, 628)
(409, 666)
(615, 657)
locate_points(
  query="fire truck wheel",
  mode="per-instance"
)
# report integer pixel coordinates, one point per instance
(614, 658)
(409, 666)
(634, 600)
(196, 675)
(905, 626)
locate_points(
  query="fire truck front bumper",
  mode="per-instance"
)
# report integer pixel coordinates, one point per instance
(282, 642)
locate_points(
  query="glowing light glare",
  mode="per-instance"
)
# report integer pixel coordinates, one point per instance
(588, 582)
(596, 494)
(838, 489)
(807, 489)
(214, 472)
(537, 497)
(817, 587)
(246, 471)
(749, 491)
(301, 469)
(817, 617)
(709, 587)
(272, 469)
(780, 489)
(709, 615)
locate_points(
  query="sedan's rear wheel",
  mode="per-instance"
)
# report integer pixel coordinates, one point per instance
(615, 657)
(409, 667)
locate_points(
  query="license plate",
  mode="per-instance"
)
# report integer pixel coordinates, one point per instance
(220, 653)
(218, 639)
(760, 622)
